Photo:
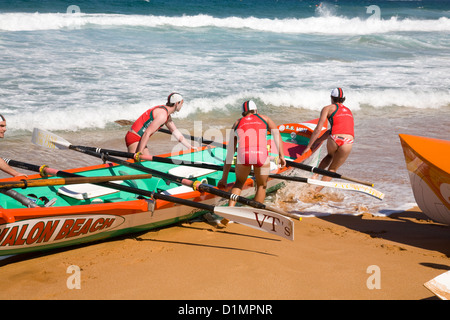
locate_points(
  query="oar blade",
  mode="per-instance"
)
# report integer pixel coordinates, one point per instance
(349, 187)
(260, 219)
(324, 172)
(363, 189)
(50, 140)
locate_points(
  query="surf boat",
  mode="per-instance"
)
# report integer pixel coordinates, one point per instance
(428, 165)
(36, 218)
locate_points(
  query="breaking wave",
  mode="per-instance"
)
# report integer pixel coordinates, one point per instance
(311, 25)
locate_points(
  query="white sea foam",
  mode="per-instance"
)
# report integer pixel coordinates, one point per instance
(85, 80)
(327, 24)
(99, 116)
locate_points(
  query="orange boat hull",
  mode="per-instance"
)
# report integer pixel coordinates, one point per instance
(428, 164)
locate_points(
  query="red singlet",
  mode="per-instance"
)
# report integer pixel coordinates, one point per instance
(141, 124)
(341, 121)
(251, 132)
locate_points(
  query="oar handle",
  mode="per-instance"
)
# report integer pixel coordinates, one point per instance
(116, 153)
(290, 178)
(22, 165)
(332, 174)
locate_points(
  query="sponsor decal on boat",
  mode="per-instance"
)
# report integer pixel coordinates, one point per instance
(293, 128)
(36, 232)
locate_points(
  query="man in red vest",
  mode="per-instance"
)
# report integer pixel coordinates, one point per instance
(249, 137)
(151, 120)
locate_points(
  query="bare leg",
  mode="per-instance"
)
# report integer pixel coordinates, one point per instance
(242, 173)
(331, 149)
(132, 148)
(261, 176)
(339, 156)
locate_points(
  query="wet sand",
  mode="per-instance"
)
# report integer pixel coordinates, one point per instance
(333, 257)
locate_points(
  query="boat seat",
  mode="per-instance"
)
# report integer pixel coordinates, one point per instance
(177, 190)
(190, 172)
(85, 191)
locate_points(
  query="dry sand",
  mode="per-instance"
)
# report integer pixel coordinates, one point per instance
(330, 258)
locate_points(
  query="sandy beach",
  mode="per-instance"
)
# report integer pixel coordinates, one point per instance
(363, 257)
(74, 69)
(333, 257)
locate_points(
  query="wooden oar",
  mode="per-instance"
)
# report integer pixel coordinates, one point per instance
(25, 183)
(260, 219)
(50, 140)
(336, 185)
(323, 172)
(289, 163)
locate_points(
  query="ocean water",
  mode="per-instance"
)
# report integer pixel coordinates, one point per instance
(76, 67)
